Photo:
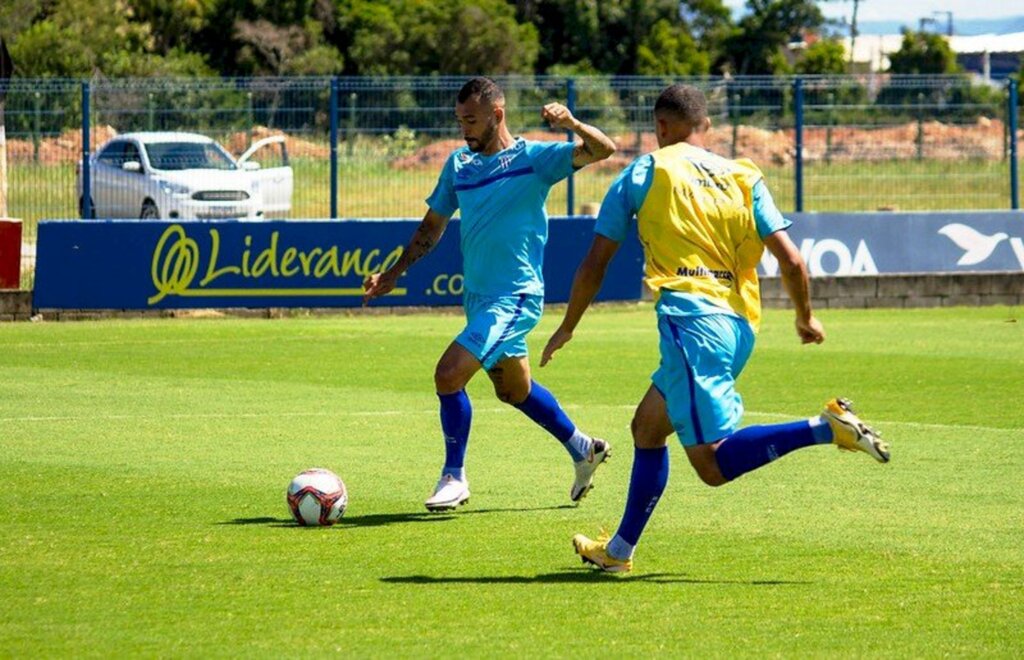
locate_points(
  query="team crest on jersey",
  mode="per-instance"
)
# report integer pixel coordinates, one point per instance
(505, 161)
(466, 164)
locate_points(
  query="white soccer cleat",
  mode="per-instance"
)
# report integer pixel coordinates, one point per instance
(852, 434)
(449, 494)
(600, 450)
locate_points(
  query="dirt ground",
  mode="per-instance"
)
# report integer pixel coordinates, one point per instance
(983, 139)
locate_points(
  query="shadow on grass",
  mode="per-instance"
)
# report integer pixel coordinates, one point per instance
(371, 520)
(580, 576)
(557, 507)
(380, 519)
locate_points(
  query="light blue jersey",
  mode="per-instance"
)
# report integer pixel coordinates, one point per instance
(504, 224)
(628, 193)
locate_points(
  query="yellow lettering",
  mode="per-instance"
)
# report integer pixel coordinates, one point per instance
(306, 258)
(286, 259)
(267, 259)
(245, 256)
(350, 261)
(212, 272)
(392, 258)
(368, 262)
(327, 263)
(173, 271)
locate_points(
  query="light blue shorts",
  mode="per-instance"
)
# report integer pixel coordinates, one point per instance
(701, 357)
(496, 326)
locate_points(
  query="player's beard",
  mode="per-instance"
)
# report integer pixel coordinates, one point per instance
(476, 145)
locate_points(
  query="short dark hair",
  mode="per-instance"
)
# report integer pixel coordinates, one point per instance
(485, 88)
(683, 103)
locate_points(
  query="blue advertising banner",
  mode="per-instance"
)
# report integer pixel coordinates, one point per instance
(157, 265)
(873, 243)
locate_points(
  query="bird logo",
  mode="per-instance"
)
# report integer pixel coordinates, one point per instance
(977, 247)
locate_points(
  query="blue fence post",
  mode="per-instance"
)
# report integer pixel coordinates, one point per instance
(1012, 117)
(334, 148)
(798, 110)
(570, 94)
(86, 210)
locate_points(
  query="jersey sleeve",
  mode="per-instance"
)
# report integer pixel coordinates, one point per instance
(766, 215)
(443, 200)
(552, 161)
(624, 198)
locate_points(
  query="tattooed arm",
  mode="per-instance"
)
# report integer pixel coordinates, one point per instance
(423, 241)
(595, 146)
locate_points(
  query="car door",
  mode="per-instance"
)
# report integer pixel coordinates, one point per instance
(274, 174)
(127, 187)
(105, 167)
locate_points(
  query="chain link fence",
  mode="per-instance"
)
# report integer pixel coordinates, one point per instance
(373, 147)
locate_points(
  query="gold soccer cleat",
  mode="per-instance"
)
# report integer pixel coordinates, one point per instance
(851, 434)
(596, 553)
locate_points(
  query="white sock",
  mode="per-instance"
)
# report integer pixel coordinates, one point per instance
(619, 549)
(579, 445)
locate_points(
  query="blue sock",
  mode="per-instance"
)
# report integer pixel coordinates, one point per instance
(646, 484)
(542, 408)
(751, 447)
(456, 415)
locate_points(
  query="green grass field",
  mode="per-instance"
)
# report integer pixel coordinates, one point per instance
(143, 466)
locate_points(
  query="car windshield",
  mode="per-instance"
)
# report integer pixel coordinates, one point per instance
(188, 156)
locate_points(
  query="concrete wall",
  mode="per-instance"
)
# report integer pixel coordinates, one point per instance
(897, 291)
(861, 292)
(15, 305)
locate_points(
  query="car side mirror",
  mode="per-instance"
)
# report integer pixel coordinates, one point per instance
(250, 166)
(131, 166)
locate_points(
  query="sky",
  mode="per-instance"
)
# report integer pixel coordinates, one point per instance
(911, 10)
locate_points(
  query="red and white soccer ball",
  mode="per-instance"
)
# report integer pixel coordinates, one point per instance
(317, 497)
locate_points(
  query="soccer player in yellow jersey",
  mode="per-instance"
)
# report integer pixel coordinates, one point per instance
(704, 222)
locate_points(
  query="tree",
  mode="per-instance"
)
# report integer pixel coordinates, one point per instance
(610, 33)
(269, 49)
(670, 50)
(81, 38)
(710, 23)
(411, 37)
(174, 23)
(755, 46)
(825, 56)
(923, 52)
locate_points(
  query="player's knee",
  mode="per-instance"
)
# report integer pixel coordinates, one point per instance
(644, 436)
(711, 476)
(511, 395)
(447, 378)
(708, 471)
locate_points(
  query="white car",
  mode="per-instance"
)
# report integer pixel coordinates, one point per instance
(170, 176)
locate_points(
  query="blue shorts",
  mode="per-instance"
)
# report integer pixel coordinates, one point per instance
(701, 357)
(496, 326)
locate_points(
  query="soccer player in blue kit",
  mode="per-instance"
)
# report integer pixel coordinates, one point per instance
(704, 222)
(499, 183)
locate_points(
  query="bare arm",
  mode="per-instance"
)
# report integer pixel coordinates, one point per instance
(423, 241)
(794, 278)
(596, 145)
(585, 286)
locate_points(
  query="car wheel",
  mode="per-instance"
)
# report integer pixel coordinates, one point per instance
(149, 211)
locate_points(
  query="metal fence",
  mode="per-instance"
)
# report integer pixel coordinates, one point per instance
(373, 147)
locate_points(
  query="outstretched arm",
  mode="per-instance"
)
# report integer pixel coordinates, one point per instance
(423, 241)
(596, 145)
(794, 278)
(585, 286)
